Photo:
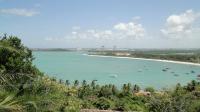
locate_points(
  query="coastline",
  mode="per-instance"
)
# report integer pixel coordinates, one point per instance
(158, 60)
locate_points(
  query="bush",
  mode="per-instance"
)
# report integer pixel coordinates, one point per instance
(16, 66)
(133, 107)
(71, 105)
(126, 104)
(195, 107)
(103, 103)
(160, 104)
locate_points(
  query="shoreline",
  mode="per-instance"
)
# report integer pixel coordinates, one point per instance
(158, 60)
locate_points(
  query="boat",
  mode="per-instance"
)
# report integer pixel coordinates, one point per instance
(140, 70)
(176, 75)
(164, 70)
(113, 76)
(198, 75)
(167, 68)
(192, 71)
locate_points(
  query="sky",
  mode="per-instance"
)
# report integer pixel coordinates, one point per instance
(96, 23)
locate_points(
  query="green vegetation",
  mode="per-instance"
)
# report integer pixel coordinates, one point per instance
(23, 88)
(192, 55)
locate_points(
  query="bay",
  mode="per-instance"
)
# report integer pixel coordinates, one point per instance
(108, 70)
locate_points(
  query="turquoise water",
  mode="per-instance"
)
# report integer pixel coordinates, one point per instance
(76, 66)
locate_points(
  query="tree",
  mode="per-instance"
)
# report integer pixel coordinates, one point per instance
(191, 86)
(93, 84)
(105, 91)
(61, 81)
(179, 90)
(76, 83)
(15, 57)
(126, 89)
(16, 62)
(84, 91)
(67, 82)
(84, 83)
(114, 90)
(136, 88)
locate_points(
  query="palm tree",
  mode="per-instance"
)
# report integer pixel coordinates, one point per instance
(9, 104)
(124, 88)
(84, 83)
(76, 83)
(93, 84)
(114, 90)
(61, 81)
(136, 88)
(67, 82)
(129, 86)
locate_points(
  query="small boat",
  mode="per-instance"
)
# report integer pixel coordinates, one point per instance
(113, 76)
(176, 75)
(164, 70)
(140, 70)
(192, 71)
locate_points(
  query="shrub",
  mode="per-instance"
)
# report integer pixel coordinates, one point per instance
(103, 103)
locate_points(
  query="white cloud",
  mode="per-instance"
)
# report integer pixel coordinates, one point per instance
(115, 35)
(19, 12)
(92, 34)
(120, 26)
(74, 33)
(178, 26)
(130, 29)
(91, 31)
(108, 32)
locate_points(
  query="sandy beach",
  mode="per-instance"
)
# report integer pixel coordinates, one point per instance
(168, 61)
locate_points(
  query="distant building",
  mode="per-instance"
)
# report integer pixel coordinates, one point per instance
(122, 54)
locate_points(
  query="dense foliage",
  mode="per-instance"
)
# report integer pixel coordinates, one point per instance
(30, 91)
(15, 61)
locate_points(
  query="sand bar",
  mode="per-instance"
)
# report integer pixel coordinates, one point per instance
(168, 61)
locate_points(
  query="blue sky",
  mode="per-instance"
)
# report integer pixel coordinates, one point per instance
(93, 23)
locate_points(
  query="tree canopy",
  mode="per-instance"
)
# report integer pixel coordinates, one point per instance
(16, 60)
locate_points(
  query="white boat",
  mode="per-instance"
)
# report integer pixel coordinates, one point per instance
(113, 76)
